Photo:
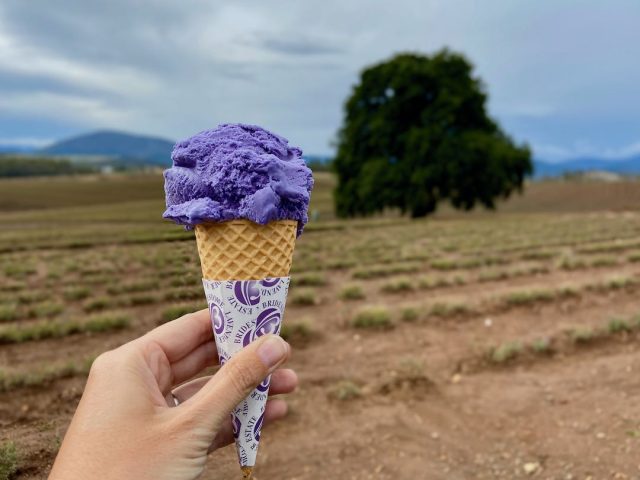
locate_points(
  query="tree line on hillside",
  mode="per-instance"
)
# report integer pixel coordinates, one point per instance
(31, 166)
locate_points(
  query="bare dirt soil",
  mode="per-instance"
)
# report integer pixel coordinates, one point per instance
(524, 363)
(417, 413)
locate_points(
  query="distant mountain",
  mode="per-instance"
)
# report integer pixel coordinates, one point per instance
(125, 150)
(628, 166)
(120, 146)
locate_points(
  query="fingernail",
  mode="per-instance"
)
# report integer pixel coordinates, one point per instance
(272, 351)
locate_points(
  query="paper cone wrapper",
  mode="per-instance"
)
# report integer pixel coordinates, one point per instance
(242, 311)
(245, 269)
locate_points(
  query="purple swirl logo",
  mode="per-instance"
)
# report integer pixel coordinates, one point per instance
(248, 338)
(235, 423)
(247, 292)
(257, 427)
(223, 359)
(270, 282)
(268, 322)
(217, 318)
(264, 386)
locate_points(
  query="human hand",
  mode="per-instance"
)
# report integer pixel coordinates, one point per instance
(127, 424)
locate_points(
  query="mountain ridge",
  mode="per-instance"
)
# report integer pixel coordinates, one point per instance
(624, 166)
(136, 150)
(117, 144)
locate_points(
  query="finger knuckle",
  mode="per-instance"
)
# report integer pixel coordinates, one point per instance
(241, 376)
(102, 363)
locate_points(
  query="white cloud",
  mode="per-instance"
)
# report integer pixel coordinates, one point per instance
(52, 105)
(624, 152)
(22, 59)
(172, 68)
(525, 110)
(556, 153)
(21, 142)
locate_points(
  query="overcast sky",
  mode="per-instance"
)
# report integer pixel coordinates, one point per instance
(563, 75)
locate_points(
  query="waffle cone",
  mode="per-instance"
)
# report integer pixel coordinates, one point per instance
(244, 250)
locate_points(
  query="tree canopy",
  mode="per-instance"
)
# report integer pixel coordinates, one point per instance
(416, 132)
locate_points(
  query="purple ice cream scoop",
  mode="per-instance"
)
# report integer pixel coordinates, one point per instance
(237, 171)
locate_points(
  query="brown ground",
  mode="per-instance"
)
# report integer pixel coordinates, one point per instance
(426, 402)
(573, 413)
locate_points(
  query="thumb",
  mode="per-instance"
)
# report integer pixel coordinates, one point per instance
(237, 378)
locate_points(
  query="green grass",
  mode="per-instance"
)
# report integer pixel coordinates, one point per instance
(444, 264)
(526, 297)
(8, 460)
(98, 304)
(493, 275)
(616, 283)
(541, 346)
(28, 298)
(76, 293)
(8, 312)
(12, 286)
(385, 270)
(299, 333)
(568, 291)
(449, 309)
(409, 314)
(634, 257)
(181, 281)
(399, 285)
(465, 263)
(341, 264)
(59, 328)
(45, 310)
(309, 280)
(140, 299)
(105, 323)
(411, 368)
(183, 294)
(583, 335)
(303, 298)
(345, 390)
(572, 263)
(44, 375)
(133, 287)
(19, 270)
(538, 255)
(617, 325)
(429, 283)
(603, 262)
(177, 311)
(506, 352)
(54, 275)
(377, 318)
(352, 292)
(608, 247)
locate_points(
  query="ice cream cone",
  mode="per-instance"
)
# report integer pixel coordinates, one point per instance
(245, 268)
(244, 250)
(246, 192)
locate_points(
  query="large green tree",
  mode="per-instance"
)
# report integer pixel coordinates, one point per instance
(416, 132)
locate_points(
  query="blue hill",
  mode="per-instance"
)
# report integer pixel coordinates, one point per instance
(138, 149)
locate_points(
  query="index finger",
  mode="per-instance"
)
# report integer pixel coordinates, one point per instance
(180, 337)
